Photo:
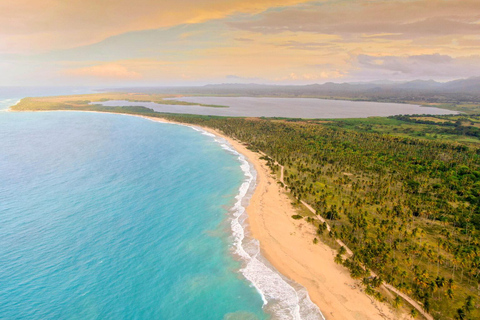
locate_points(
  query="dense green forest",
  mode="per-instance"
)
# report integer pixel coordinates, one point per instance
(408, 205)
(408, 208)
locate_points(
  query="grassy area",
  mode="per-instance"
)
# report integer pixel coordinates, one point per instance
(450, 128)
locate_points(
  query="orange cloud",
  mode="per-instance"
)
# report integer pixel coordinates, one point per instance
(42, 25)
(107, 72)
(379, 19)
(302, 42)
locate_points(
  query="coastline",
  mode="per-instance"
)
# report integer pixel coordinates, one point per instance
(287, 245)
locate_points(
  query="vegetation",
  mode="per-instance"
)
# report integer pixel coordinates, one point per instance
(87, 101)
(443, 128)
(406, 204)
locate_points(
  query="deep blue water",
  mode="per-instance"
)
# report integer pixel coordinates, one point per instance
(116, 217)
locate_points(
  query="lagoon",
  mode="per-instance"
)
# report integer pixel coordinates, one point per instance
(309, 108)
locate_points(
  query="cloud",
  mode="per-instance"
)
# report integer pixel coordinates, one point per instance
(243, 39)
(292, 44)
(203, 41)
(310, 77)
(395, 19)
(419, 66)
(105, 72)
(240, 79)
(28, 26)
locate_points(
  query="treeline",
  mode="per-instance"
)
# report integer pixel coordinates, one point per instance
(461, 126)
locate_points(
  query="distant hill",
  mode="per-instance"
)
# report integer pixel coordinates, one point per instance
(457, 91)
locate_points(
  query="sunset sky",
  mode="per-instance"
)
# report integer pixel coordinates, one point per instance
(193, 42)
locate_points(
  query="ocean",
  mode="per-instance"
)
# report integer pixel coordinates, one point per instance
(107, 216)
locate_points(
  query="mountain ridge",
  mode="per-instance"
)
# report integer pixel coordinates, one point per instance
(456, 91)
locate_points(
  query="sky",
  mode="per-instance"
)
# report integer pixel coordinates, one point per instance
(196, 42)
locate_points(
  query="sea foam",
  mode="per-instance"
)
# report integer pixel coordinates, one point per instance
(281, 297)
(5, 104)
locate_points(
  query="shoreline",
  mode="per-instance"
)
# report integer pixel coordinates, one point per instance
(282, 298)
(287, 244)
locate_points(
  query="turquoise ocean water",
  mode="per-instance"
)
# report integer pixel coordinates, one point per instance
(116, 217)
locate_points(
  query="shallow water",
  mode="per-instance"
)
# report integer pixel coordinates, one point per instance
(115, 217)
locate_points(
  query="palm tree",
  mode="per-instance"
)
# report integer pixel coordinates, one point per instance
(440, 281)
(460, 314)
(413, 313)
(468, 304)
(450, 283)
(450, 293)
(397, 302)
(338, 258)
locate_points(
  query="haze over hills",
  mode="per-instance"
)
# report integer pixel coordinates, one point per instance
(457, 91)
